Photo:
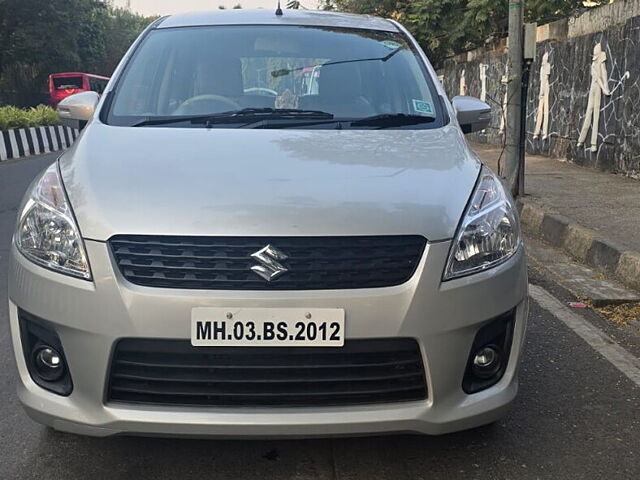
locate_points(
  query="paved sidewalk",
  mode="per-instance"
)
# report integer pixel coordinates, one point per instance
(606, 203)
(594, 216)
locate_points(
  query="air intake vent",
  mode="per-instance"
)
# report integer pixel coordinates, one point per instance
(172, 372)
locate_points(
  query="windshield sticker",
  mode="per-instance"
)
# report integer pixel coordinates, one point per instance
(423, 107)
(391, 45)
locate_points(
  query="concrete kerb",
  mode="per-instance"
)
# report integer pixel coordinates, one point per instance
(24, 142)
(581, 243)
(629, 267)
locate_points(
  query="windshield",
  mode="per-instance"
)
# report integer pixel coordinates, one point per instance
(345, 74)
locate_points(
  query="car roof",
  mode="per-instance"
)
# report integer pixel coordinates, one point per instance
(268, 17)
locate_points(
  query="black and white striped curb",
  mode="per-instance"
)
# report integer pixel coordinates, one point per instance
(22, 142)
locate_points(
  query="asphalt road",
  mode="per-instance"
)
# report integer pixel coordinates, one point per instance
(577, 416)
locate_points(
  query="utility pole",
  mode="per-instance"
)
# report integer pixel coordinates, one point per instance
(514, 95)
(528, 57)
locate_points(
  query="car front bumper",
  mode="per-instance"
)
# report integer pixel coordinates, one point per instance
(444, 317)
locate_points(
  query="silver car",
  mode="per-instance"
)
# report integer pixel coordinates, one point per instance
(271, 225)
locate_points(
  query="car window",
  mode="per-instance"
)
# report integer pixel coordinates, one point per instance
(348, 73)
(67, 83)
(97, 84)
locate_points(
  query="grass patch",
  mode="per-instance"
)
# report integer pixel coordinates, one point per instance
(13, 117)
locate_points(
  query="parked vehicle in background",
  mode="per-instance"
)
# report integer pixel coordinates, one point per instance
(61, 85)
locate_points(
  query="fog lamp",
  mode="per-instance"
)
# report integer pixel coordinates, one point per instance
(487, 361)
(48, 363)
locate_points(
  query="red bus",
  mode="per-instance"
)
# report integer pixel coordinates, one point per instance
(61, 85)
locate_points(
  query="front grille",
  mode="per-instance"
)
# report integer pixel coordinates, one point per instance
(224, 263)
(172, 372)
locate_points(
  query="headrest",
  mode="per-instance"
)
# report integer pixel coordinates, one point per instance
(343, 80)
(219, 76)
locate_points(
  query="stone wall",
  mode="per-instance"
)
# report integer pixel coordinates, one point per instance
(617, 148)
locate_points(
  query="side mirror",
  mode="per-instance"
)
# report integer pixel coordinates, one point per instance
(473, 114)
(76, 110)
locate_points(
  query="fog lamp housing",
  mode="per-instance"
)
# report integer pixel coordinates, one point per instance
(44, 355)
(489, 354)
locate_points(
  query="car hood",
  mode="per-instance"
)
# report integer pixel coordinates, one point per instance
(243, 182)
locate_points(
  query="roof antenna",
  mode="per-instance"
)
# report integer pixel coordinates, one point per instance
(279, 10)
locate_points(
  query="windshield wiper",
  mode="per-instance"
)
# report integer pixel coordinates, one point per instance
(380, 121)
(253, 115)
(388, 120)
(167, 120)
(286, 71)
(238, 116)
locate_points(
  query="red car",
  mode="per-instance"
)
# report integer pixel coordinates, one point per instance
(61, 85)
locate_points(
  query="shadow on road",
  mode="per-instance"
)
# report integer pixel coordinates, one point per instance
(397, 456)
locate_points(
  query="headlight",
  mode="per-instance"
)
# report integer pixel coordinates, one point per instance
(47, 233)
(489, 232)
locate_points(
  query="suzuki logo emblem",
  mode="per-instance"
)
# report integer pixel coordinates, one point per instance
(269, 266)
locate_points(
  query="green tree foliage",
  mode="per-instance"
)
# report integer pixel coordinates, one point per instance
(382, 8)
(122, 28)
(40, 37)
(446, 27)
(326, 5)
(437, 26)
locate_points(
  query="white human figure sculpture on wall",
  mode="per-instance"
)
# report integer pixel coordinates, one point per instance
(599, 85)
(542, 115)
(483, 82)
(463, 82)
(504, 81)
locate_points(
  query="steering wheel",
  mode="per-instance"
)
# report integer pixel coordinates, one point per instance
(205, 98)
(262, 91)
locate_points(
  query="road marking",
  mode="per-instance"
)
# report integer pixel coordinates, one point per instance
(15, 153)
(63, 138)
(34, 139)
(3, 150)
(45, 140)
(599, 341)
(25, 142)
(54, 140)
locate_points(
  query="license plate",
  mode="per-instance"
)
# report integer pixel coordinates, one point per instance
(267, 327)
